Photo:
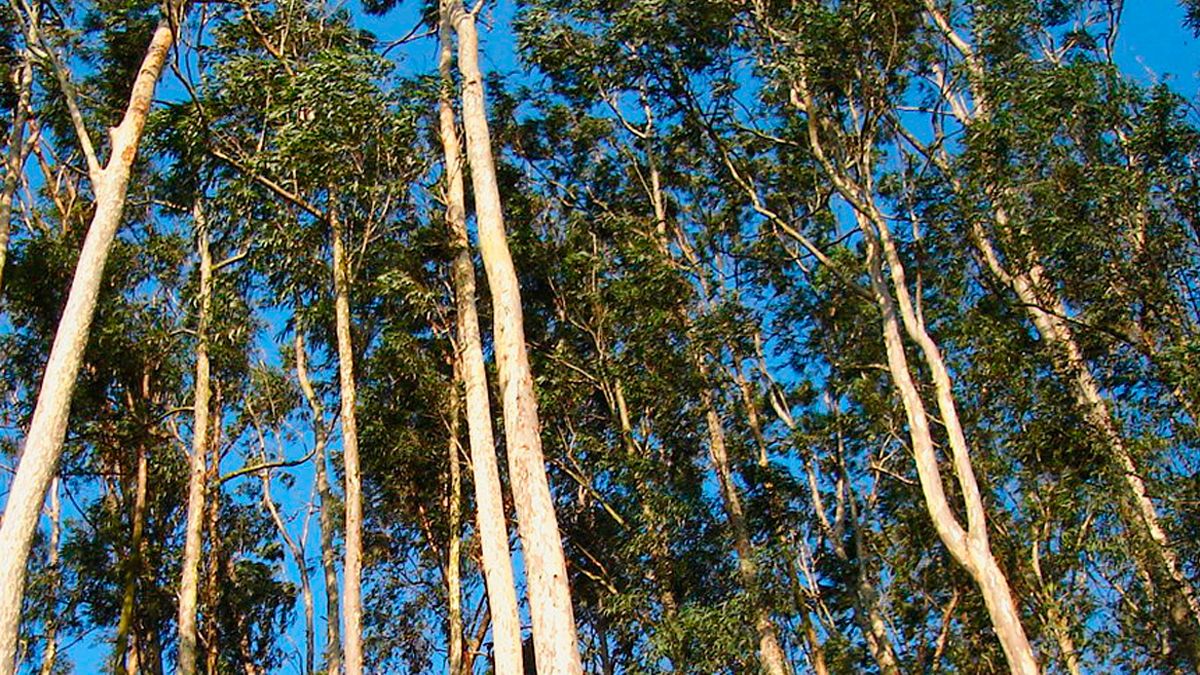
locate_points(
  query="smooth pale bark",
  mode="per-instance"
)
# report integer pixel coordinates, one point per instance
(133, 565)
(970, 548)
(1048, 312)
(189, 578)
(352, 563)
(294, 548)
(50, 652)
(770, 653)
(333, 640)
(48, 428)
(556, 643)
(14, 161)
(489, 498)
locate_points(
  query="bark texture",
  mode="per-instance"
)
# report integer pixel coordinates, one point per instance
(554, 632)
(489, 498)
(189, 578)
(352, 564)
(48, 428)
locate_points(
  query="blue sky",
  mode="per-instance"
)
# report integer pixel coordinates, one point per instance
(1153, 46)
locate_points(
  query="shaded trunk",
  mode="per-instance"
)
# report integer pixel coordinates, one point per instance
(352, 564)
(770, 653)
(554, 632)
(454, 547)
(333, 641)
(489, 498)
(189, 579)
(133, 566)
(48, 427)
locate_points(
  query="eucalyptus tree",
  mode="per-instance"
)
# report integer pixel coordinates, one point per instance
(297, 108)
(489, 497)
(554, 630)
(1051, 279)
(109, 182)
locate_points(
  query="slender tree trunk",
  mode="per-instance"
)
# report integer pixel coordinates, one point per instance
(14, 162)
(1048, 312)
(1049, 315)
(189, 578)
(216, 559)
(298, 557)
(770, 653)
(554, 631)
(133, 567)
(50, 653)
(48, 428)
(489, 498)
(352, 565)
(454, 546)
(333, 646)
(969, 547)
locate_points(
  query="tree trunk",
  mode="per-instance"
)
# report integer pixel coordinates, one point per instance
(454, 547)
(14, 162)
(968, 546)
(1048, 312)
(333, 641)
(352, 565)
(298, 557)
(770, 653)
(215, 560)
(133, 566)
(48, 428)
(489, 498)
(197, 465)
(50, 652)
(554, 631)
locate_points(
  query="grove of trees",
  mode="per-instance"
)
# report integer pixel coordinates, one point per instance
(712, 337)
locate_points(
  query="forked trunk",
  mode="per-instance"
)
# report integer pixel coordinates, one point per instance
(968, 546)
(48, 428)
(333, 640)
(554, 632)
(489, 498)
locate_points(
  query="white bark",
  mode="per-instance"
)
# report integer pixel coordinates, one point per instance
(489, 498)
(554, 631)
(48, 428)
(14, 161)
(352, 563)
(189, 578)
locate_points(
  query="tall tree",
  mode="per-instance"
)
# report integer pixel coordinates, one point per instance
(554, 630)
(48, 427)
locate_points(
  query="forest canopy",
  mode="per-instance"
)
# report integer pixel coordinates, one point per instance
(566, 336)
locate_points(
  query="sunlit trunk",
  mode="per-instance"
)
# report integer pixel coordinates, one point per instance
(554, 632)
(48, 427)
(489, 498)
